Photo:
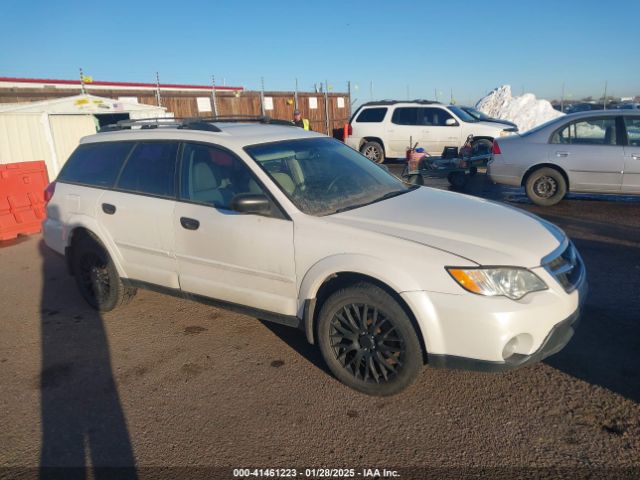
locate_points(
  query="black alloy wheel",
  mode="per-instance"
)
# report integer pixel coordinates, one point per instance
(368, 340)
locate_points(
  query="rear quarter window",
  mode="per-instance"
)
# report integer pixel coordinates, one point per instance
(95, 164)
(371, 115)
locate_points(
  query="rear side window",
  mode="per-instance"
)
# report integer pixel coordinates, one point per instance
(151, 169)
(591, 131)
(633, 130)
(405, 116)
(371, 115)
(95, 164)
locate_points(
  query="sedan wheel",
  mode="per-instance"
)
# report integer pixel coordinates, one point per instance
(545, 186)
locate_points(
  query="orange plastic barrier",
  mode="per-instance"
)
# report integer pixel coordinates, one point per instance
(22, 198)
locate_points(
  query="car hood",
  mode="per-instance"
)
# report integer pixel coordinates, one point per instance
(480, 231)
(499, 120)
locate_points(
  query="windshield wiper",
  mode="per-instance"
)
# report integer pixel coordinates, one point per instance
(387, 195)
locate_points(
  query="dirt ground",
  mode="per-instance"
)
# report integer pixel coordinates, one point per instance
(171, 388)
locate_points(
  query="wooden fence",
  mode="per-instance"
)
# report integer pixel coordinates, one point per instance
(200, 104)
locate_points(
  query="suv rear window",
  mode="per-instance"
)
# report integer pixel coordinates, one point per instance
(151, 169)
(371, 115)
(95, 164)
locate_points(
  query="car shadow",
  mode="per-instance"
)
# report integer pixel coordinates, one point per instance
(84, 431)
(605, 349)
(297, 340)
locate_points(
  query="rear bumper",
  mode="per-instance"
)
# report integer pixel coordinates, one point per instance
(555, 341)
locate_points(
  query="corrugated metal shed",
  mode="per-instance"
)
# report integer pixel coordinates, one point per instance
(50, 130)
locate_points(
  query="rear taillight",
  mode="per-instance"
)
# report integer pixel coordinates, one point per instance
(495, 149)
(49, 191)
(350, 130)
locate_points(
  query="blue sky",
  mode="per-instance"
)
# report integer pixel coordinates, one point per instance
(419, 46)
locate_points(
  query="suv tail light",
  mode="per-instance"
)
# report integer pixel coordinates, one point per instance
(49, 191)
(495, 149)
(349, 130)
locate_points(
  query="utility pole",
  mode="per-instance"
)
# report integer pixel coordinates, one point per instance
(562, 99)
(326, 105)
(158, 98)
(213, 96)
(435, 94)
(262, 96)
(82, 89)
(605, 95)
(349, 92)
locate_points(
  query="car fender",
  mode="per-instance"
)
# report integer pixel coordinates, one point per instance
(371, 266)
(416, 299)
(76, 221)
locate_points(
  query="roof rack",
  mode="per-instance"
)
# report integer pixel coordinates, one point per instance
(193, 123)
(247, 119)
(393, 102)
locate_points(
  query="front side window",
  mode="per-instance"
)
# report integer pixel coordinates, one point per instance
(213, 176)
(95, 164)
(592, 131)
(322, 176)
(632, 125)
(151, 169)
(433, 117)
(371, 115)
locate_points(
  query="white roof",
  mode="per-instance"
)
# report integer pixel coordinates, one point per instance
(81, 104)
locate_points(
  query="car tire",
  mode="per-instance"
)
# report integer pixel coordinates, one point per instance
(97, 277)
(481, 146)
(368, 341)
(457, 180)
(546, 186)
(373, 151)
(415, 179)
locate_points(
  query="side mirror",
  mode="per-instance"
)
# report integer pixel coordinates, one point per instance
(450, 122)
(251, 203)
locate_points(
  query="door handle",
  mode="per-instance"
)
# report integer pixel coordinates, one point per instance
(108, 208)
(189, 223)
(562, 154)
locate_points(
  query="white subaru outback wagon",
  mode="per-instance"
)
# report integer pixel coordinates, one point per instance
(295, 227)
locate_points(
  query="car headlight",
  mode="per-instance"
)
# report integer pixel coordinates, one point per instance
(510, 282)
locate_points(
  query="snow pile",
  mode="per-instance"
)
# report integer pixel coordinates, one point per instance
(526, 111)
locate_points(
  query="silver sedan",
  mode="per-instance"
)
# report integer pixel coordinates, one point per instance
(588, 152)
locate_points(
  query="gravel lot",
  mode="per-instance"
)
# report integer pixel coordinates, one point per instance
(168, 383)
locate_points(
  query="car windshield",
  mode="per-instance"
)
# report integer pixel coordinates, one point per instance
(322, 176)
(462, 115)
(476, 113)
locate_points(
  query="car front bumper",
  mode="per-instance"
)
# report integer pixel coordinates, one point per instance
(474, 332)
(556, 340)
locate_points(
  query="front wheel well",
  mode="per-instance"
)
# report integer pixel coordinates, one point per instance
(528, 173)
(338, 281)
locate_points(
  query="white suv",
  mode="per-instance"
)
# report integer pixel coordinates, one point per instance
(294, 227)
(385, 129)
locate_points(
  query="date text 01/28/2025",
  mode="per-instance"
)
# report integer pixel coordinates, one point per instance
(314, 473)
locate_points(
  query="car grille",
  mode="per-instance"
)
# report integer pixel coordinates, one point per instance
(567, 268)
